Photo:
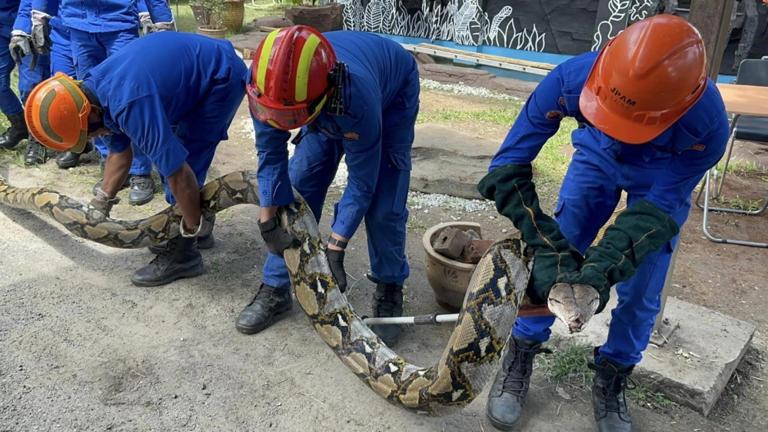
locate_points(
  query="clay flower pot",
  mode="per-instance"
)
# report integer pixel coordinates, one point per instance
(448, 278)
(216, 33)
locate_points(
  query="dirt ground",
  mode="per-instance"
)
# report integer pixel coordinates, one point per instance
(83, 349)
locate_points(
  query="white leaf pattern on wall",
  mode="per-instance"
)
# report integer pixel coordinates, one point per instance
(461, 21)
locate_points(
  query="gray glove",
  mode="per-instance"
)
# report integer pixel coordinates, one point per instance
(21, 46)
(278, 239)
(102, 203)
(41, 32)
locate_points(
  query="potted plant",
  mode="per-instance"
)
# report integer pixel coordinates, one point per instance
(208, 14)
(326, 16)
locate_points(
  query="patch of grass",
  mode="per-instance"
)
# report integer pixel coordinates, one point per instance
(497, 116)
(744, 167)
(567, 364)
(648, 398)
(552, 162)
(740, 203)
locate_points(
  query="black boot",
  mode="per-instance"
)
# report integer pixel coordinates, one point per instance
(15, 133)
(36, 153)
(142, 190)
(510, 387)
(608, 399)
(268, 304)
(388, 302)
(204, 241)
(68, 160)
(180, 259)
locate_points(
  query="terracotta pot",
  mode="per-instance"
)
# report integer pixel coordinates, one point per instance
(214, 33)
(448, 278)
(233, 14)
(324, 18)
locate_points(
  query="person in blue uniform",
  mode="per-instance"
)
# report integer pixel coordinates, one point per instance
(14, 41)
(177, 118)
(354, 95)
(97, 30)
(651, 124)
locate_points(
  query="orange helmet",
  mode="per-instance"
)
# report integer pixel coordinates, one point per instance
(290, 77)
(56, 113)
(645, 79)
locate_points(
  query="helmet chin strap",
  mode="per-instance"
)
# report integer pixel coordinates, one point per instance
(338, 81)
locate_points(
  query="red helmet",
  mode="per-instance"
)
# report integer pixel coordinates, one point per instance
(290, 77)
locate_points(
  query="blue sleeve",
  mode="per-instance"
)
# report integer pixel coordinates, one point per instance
(23, 17)
(363, 158)
(48, 6)
(272, 150)
(159, 11)
(143, 121)
(673, 191)
(539, 120)
(141, 6)
(118, 143)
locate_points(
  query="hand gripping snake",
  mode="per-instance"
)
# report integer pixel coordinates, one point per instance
(495, 293)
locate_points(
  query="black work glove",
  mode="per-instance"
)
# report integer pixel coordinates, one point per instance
(278, 239)
(41, 32)
(637, 232)
(512, 188)
(21, 46)
(336, 262)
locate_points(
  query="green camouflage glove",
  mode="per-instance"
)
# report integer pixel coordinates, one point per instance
(637, 232)
(512, 188)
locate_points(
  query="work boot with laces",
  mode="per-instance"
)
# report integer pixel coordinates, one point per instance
(268, 304)
(510, 387)
(387, 302)
(608, 399)
(180, 259)
(142, 189)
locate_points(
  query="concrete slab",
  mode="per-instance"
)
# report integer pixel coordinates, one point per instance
(450, 162)
(695, 365)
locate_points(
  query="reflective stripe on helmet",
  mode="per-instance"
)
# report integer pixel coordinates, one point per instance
(73, 91)
(45, 107)
(266, 51)
(302, 70)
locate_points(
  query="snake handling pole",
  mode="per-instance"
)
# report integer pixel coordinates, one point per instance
(437, 319)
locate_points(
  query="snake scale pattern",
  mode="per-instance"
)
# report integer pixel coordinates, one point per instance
(465, 366)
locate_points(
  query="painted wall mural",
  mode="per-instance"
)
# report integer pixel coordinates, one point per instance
(461, 21)
(554, 26)
(615, 15)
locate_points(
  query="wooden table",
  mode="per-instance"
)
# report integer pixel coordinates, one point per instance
(739, 100)
(745, 99)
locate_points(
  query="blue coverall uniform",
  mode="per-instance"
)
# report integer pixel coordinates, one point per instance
(28, 79)
(375, 136)
(176, 116)
(99, 29)
(61, 48)
(664, 172)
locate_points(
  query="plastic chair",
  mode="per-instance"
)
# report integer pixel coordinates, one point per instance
(751, 72)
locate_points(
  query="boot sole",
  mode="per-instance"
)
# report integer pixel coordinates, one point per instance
(498, 424)
(142, 202)
(249, 330)
(197, 270)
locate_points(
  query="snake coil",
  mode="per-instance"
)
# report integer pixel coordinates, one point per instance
(467, 362)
